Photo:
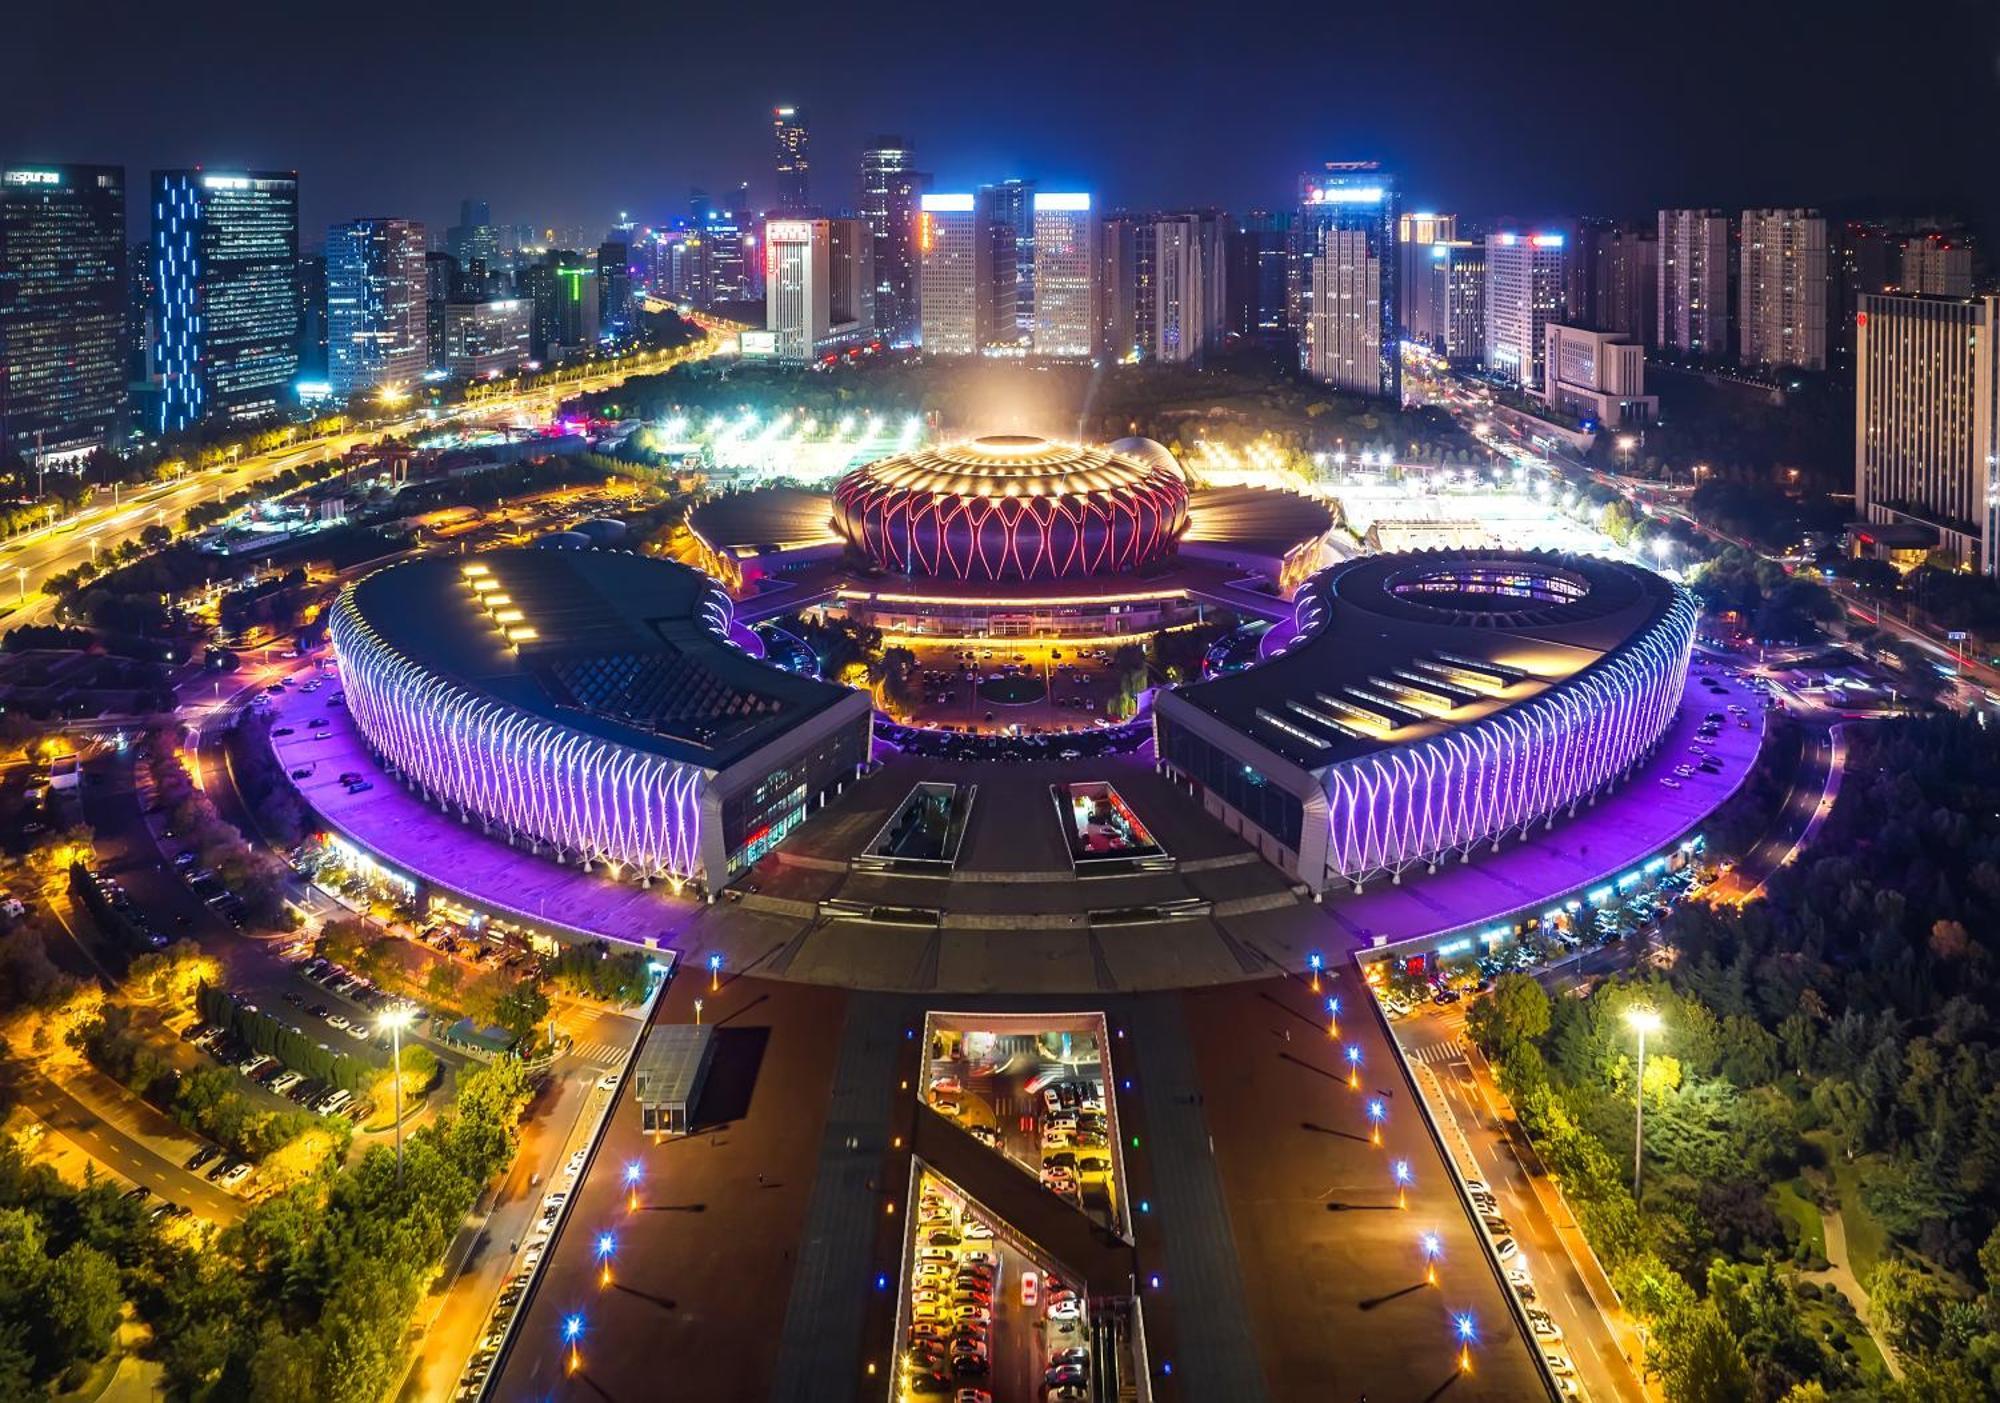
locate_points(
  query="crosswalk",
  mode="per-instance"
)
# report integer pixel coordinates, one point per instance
(1438, 1053)
(603, 1054)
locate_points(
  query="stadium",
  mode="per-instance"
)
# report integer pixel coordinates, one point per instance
(592, 705)
(1016, 536)
(1421, 705)
(1012, 507)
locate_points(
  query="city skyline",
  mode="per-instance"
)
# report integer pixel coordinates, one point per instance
(1736, 139)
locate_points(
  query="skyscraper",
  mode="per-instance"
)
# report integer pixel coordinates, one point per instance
(1781, 289)
(1348, 311)
(1937, 265)
(1416, 235)
(225, 255)
(790, 140)
(63, 315)
(1012, 222)
(1259, 262)
(1161, 284)
(1066, 272)
(474, 236)
(312, 317)
(890, 186)
(1447, 300)
(616, 308)
(1927, 420)
(1614, 280)
(1870, 260)
(1694, 281)
(955, 274)
(1524, 293)
(818, 286)
(441, 284)
(376, 293)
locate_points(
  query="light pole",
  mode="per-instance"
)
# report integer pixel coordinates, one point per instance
(1643, 1021)
(395, 1020)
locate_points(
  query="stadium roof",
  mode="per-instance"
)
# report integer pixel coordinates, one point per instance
(619, 646)
(1415, 644)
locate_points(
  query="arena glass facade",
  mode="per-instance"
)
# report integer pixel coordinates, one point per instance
(1431, 704)
(1011, 507)
(638, 737)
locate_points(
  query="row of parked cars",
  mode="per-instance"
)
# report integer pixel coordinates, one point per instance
(357, 989)
(1548, 1334)
(274, 1076)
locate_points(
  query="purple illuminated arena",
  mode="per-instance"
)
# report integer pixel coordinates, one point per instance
(1012, 507)
(589, 705)
(1433, 702)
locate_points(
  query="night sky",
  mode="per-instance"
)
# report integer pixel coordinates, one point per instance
(568, 114)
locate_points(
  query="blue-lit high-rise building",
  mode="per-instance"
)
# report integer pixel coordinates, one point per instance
(377, 284)
(63, 313)
(1345, 279)
(226, 321)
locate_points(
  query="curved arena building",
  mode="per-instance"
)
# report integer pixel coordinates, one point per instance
(1427, 703)
(1012, 507)
(589, 703)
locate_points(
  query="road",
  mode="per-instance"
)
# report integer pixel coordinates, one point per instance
(30, 559)
(1568, 1283)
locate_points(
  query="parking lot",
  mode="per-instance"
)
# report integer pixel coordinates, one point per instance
(1037, 1097)
(986, 1319)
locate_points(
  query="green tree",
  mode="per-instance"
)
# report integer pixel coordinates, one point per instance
(1514, 1011)
(81, 1301)
(1699, 1358)
(1910, 1304)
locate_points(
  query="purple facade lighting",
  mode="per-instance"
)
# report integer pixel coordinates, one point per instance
(1011, 508)
(536, 781)
(1399, 806)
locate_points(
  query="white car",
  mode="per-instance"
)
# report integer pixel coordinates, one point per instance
(234, 1175)
(574, 1166)
(1066, 1310)
(337, 1020)
(608, 1082)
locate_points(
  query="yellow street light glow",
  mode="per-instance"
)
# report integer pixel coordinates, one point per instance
(508, 616)
(485, 583)
(474, 570)
(396, 1019)
(1643, 1020)
(520, 634)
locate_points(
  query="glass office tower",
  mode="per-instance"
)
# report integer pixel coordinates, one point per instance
(63, 312)
(225, 256)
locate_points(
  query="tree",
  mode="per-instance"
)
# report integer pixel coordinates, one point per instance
(1514, 1011)
(81, 1301)
(1910, 1304)
(1699, 1358)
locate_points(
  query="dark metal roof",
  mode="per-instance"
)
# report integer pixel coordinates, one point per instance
(624, 647)
(1393, 648)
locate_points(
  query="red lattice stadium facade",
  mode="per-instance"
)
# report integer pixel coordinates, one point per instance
(1012, 507)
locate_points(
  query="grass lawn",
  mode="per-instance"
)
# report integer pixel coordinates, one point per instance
(1802, 1213)
(1866, 1241)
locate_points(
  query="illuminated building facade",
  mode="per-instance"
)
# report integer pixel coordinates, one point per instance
(818, 286)
(1011, 507)
(590, 706)
(377, 290)
(225, 253)
(956, 312)
(1446, 295)
(1935, 265)
(1694, 281)
(1432, 704)
(1416, 235)
(1782, 289)
(1348, 310)
(790, 144)
(1599, 376)
(1011, 224)
(1067, 313)
(488, 338)
(1524, 293)
(63, 311)
(890, 189)
(1927, 420)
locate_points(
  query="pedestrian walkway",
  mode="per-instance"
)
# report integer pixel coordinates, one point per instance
(603, 1054)
(1438, 1053)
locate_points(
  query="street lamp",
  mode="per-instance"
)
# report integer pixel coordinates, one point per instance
(633, 1173)
(1333, 1017)
(572, 1332)
(714, 973)
(1462, 1325)
(1314, 961)
(605, 1245)
(1376, 1111)
(1353, 1067)
(1400, 1171)
(1642, 1021)
(393, 1022)
(1433, 1247)
(1626, 443)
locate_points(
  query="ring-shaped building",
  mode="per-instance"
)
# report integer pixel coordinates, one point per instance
(1427, 703)
(591, 704)
(1012, 507)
